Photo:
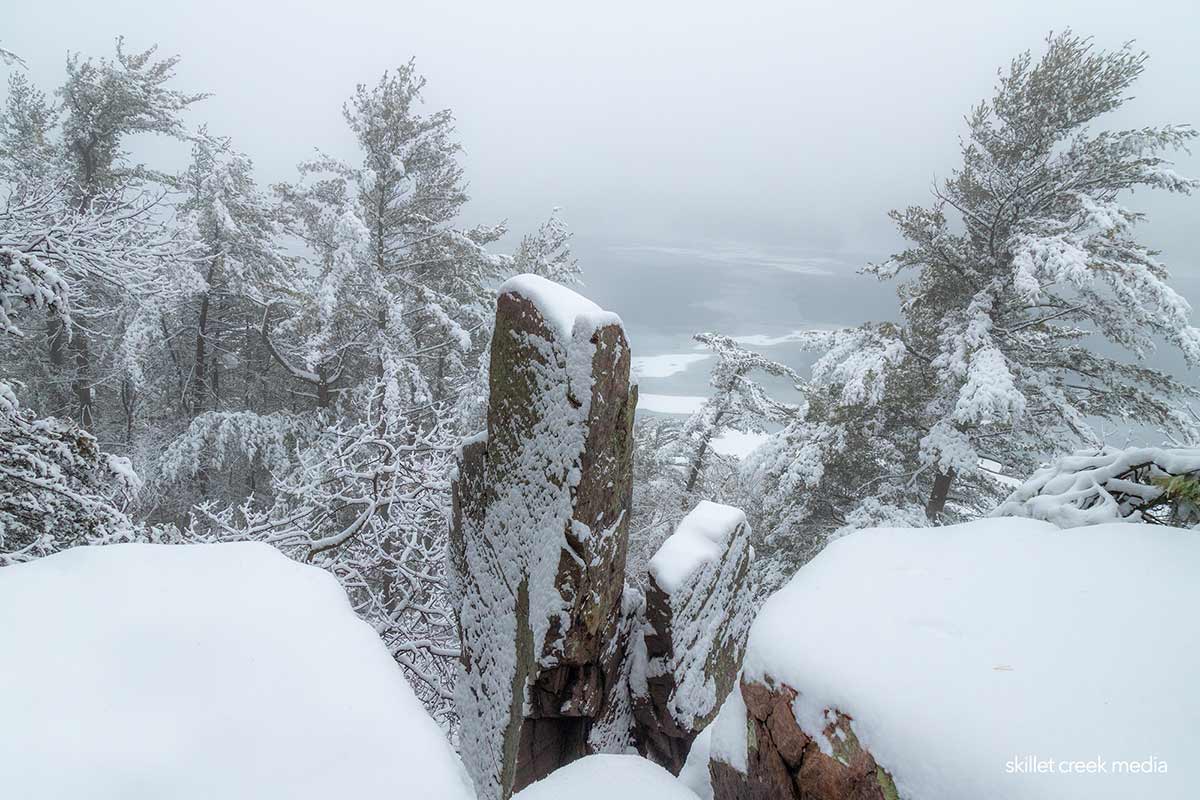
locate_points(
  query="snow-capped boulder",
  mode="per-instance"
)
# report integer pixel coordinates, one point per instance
(605, 777)
(1001, 659)
(698, 611)
(541, 511)
(193, 672)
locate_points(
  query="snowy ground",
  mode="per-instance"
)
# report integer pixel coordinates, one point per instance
(203, 672)
(1003, 659)
(664, 366)
(669, 403)
(608, 777)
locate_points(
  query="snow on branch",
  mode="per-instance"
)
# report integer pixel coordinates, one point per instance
(1150, 485)
(27, 280)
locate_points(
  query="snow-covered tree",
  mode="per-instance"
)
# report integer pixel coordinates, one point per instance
(57, 489)
(106, 101)
(657, 491)
(738, 403)
(78, 202)
(400, 290)
(368, 501)
(1154, 485)
(1024, 264)
(214, 371)
(28, 149)
(1029, 255)
(848, 458)
(242, 258)
(9, 58)
(547, 252)
(675, 465)
(375, 332)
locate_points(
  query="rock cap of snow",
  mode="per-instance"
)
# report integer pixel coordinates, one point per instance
(701, 538)
(561, 308)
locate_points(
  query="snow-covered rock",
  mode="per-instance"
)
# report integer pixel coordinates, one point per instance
(608, 777)
(698, 610)
(539, 537)
(560, 308)
(998, 659)
(203, 671)
(700, 541)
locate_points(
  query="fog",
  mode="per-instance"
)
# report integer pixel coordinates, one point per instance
(690, 124)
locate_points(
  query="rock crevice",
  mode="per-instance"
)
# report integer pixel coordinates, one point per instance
(560, 658)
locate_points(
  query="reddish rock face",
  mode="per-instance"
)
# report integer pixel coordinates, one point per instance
(783, 762)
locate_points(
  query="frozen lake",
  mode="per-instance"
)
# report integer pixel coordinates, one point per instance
(665, 294)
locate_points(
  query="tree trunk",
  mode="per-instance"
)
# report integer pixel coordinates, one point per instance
(56, 341)
(82, 384)
(128, 402)
(324, 392)
(698, 462)
(937, 498)
(199, 385)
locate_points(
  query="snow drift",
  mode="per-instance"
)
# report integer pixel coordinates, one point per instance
(203, 671)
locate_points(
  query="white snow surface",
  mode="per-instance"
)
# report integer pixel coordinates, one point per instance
(727, 741)
(695, 774)
(738, 444)
(173, 672)
(701, 538)
(670, 403)
(608, 777)
(561, 307)
(666, 365)
(961, 652)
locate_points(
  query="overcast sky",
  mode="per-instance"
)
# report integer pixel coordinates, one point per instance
(720, 128)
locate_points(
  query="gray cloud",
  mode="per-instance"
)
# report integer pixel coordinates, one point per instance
(769, 125)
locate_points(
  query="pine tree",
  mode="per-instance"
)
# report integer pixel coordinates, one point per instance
(547, 252)
(80, 205)
(1006, 305)
(401, 292)
(1025, 261)
(676, 464)
(57, 489)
